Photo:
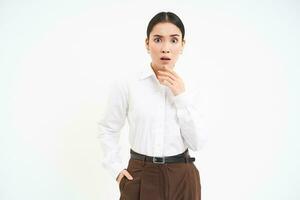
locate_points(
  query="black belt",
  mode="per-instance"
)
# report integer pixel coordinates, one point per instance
(183, 157)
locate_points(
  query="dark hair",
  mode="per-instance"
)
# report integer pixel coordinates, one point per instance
(166, 17)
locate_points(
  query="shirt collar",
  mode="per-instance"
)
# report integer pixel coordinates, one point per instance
(146, 72)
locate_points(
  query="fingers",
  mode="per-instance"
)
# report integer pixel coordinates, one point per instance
(126, 173)
(165, 79)
(122, 174)
(168, 83)
(166, 73)
(170, 70)
(120, 177)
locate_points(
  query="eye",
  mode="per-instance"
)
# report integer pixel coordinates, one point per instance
(156, 39)
(174, 40)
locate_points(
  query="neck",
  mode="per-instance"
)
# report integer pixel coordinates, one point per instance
(154, 68)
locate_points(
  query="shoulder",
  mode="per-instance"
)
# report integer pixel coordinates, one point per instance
(124, 82)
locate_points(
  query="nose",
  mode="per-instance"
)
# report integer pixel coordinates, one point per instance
(165, 48)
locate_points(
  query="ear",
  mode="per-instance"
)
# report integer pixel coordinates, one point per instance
(147, 43)
(183, 43)
(182, 47)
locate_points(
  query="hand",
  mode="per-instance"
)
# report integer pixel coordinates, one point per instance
(168, 77)
(123, 173)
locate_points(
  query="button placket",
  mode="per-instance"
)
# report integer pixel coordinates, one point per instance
(159, 138)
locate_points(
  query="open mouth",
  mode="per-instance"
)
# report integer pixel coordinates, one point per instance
(165, 58)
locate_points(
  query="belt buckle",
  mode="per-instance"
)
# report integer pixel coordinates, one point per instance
(159, 158)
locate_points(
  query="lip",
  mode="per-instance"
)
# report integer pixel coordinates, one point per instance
(165, 61)
(165, 58)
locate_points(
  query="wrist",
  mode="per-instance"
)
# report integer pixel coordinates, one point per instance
(118, 176)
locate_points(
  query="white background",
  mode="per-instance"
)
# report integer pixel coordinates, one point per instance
(57, 58)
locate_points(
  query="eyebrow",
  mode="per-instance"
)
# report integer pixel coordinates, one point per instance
(163, 36)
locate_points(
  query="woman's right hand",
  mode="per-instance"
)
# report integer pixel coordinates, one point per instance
(123, 173)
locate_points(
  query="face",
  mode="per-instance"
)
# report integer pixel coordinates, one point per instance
(164, 45)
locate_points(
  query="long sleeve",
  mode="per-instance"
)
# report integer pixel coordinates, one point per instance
(110, 125)
(191, 120)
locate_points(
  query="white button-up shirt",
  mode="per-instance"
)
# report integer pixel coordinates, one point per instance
(160, 124)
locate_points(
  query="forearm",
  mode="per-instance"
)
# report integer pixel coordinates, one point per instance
(192, 123)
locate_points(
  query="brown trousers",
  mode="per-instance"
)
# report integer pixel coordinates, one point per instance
(169, 181)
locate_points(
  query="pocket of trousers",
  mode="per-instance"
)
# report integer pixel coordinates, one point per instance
(131, 189)
(131, 183)
(125, 181)
(122, 182)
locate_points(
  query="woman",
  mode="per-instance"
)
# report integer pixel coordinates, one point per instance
(163, 119)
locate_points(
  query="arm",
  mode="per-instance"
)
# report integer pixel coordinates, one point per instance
(190, 119)
(191, 122)
(109, 127)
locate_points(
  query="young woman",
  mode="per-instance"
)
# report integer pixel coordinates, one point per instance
(163, 120)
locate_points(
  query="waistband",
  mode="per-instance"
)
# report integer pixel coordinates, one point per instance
(179, 158)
